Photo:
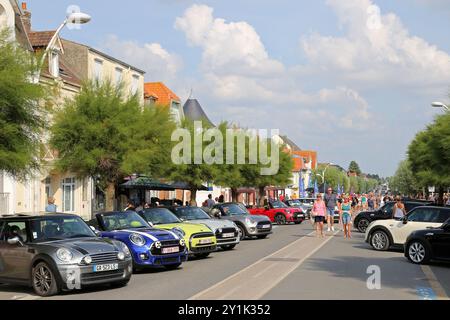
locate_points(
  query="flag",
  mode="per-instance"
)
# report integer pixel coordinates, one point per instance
(316, 188)
(302, 188)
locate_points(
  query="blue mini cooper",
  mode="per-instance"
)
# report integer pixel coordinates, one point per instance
(149, 247)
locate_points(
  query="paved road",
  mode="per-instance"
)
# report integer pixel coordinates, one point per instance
(292, 264)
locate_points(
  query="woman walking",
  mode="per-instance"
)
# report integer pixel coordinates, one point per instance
(319, 211)
(346, 216)
(399, 210)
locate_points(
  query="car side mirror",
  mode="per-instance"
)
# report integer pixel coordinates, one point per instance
(97, 233)
(15, 241)
(405, 220)
(216, 213)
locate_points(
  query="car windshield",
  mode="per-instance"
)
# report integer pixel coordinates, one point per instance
(160, 216)
(234, 209)
(278, 205)
(191, 213)
(307, 201)
(53, 228)
(294, 203)
(122, 220)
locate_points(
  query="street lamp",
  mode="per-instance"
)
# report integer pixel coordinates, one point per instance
(75, 18)
(440, 105)
(323, 176)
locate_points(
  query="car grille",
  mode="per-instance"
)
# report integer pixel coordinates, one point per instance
(263, 223)
(208, 248)
(201, 236)
(167, 261)
(104, 257)
(87, 278)
(226, 230)
(165, 244)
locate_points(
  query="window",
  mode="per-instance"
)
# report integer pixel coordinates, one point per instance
(98, 68)
(119, 75)
(85, 189)
(423, 215)
(68, 187)
(54, 64)
(172, 194)
(135, 84)
(48, 187)
(14, 229)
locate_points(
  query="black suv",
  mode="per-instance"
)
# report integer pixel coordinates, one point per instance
(363, 219)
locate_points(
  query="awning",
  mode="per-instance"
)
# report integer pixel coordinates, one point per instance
(146, 183)
(180, 185)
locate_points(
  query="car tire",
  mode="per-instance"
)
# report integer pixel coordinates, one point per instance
(44, 281)
(379, 240)
(262, 237)
(362, 225)
(242, 233)
(172, 266)
(280, 219)
(229, 247)
(418, 252)
(202, 255)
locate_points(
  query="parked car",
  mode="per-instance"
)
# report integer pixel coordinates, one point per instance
(249, 225)
(429, 244)
(383, 234)
(150, 247)
(59, 252)
(279, 213)
(364, 218)
(200, 240)
(226, 232)
(306, 204)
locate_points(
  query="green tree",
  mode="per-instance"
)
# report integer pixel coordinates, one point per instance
(354, 167)
(429, 155)
(21, 109)
(105, 134)
(404, 181)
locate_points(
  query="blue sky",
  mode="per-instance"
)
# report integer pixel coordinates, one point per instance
(352, 79)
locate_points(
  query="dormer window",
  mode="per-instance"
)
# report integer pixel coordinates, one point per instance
(54, 64)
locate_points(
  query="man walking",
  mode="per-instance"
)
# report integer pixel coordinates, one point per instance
(330, 203)
(210, 202)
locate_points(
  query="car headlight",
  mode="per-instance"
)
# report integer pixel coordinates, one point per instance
(158, 245)
(64, 254)
(182, 243)
(179, 231)
(137, 239)
(126, 251)
(248, 221)
(87, 260)
(121, 256)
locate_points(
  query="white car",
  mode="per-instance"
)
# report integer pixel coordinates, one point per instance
(383, 234)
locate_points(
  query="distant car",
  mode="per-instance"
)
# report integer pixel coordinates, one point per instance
(249, 225)
(279, 213)
(226, 232)
(383, 234)
(59, 252)
(200, 240)
(429, 244)
(306, 204)
(363, 219)
(150, 247)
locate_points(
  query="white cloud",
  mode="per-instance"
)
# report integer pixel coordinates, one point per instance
(157, 62)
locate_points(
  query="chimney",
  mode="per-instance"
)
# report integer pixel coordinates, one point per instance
(26, 17)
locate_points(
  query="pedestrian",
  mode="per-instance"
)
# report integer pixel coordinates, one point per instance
(399, 209)
(331, 203)
(346, 216)
(140, 207)
(371, 202)
(319, 211)
(146, 205)
(130, 206)
(221, 199)
(364, 202)
(210, 202)
(186, 204)
(51, 206)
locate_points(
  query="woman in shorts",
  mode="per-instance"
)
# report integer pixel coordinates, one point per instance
(319, 211)
(346, 217)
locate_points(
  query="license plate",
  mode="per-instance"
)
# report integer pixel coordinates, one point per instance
(170, 250)
(228, 235)
(205, 241)
(266, 226)
(106, 267)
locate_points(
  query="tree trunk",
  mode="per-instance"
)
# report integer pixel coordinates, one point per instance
(110, 196)
(234, 195)
(261, 196)
(193, 201)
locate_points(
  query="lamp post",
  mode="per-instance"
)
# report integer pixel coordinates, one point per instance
(75, 18)
(440, 105)
(323, 176)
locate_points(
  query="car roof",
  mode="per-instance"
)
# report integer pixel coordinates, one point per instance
(433, 207)
(35, 216)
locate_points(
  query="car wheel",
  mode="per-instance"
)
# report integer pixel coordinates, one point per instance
(229, 247)
(280, 219)
(120, 284)
(172, 266)
(262, 237)
(201, 255)
(380, 240)
(418, 252)
(362, 225)
(44, 281)
(241, 232)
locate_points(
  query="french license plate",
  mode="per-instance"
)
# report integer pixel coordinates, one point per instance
(106, 267)
(205, 241)
(170, 250)
(266, 226)
(228, 235)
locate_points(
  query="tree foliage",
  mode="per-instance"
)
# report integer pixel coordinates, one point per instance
(21, 109)
(354, 167)
(404, 181)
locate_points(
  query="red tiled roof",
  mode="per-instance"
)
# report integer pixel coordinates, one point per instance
(40, 38)
(160, 91)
